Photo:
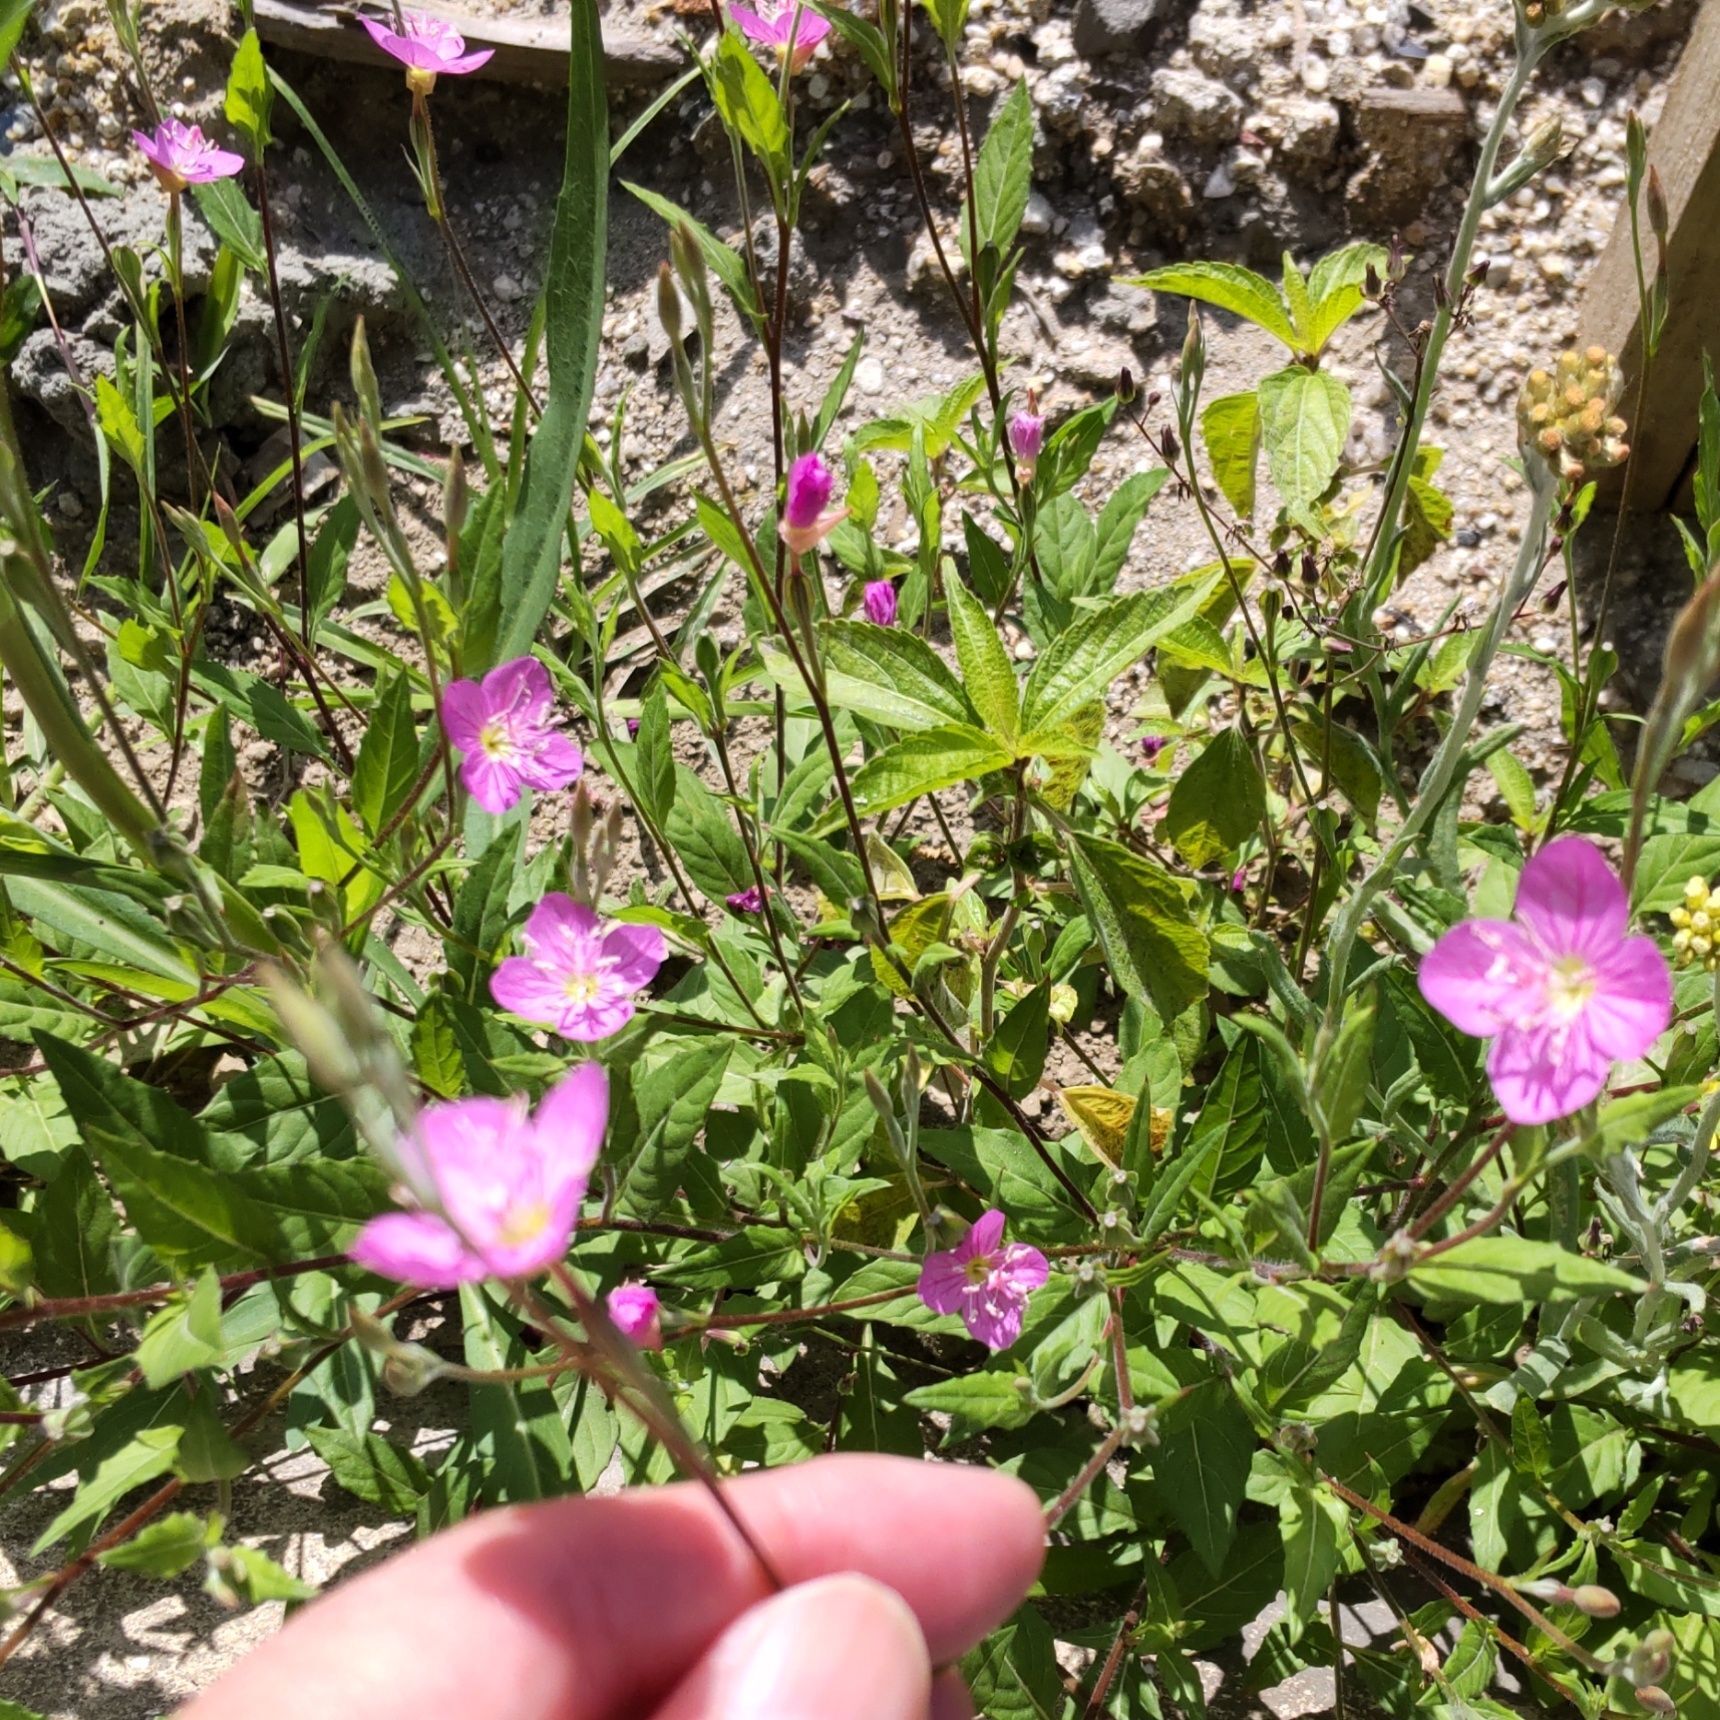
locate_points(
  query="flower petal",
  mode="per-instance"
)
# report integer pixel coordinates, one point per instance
(1632, 1005)
(943, 1282)
(555, 921)
(1483, 975)
(494, 785)
(586, 1023)
(465, 710)
(467, 62)
(986, 1234)
(569, 1126)
(995, 1320)
(552, 762)
(520, 685)
(528, 990)
(1571, 899)
(637, 952)
(1540, 1074)
(1024, 1267)
(416, 1248)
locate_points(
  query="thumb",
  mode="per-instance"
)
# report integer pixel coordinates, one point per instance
(841, 1648)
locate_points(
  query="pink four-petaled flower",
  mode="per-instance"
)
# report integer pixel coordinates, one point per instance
(496, 1187)
(180, 155)
(637, 1314)
(987, 1284)
(506, 727)
(1562, 989)
(427, 47)
(807, 517)
(789, 29)
(579, 973)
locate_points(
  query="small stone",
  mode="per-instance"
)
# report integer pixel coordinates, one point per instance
(1436, 71)
(505, 288)
(1039, 213)
(71, 504)
(1221, 182)
(869, 375)
(1316, 76)
(1111, 26)
(1196, 105)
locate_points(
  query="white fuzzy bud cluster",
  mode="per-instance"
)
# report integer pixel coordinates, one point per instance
(1566, 414)
(1696, 926)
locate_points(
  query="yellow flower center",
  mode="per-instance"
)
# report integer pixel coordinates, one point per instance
(524, 1224)
(1570, 986)
(581, 988)
(978, 1269)
(494, 741)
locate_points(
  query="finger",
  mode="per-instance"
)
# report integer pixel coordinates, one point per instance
(839, 1648)
(950, 1700)
(585, 1609)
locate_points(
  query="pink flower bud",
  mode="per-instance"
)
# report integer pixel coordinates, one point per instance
(636, 1312)
(1027, 436)
(880, 603)
(807, 517)
(747, 901)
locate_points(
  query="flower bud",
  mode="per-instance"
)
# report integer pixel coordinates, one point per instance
(1594, 1601)
(669, 305)
(1566, 414)
(1651, 1659)
(1655, 1700)
(1659, 216)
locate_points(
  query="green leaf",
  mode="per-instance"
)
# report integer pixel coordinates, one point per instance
(1201, 1466)
(1341, 1081)
(1229, 288)
(1510, 1270)
(248, 93)
(1218, 802)
(233, 221)
(949, 18)
(118, 423)
(653, 753)
(151, 1453)
(387, 763)
(14, 15)
(651, 1136)
(1115, 532)
(1144, 923)
(1230, 426)
(751, 109)
(183, 1338)
(975, 1402)
(371, 1468)
(705, 838)
(253, 1577)
(518, 1431)
(266, 708)
(163, 1549)
(573, 327)
(889, 675)
(1088, 656)
(988, 676)
(1014, 1675)
(75, 1231)
(1003, 175)
(924, 763)
(1304, 420)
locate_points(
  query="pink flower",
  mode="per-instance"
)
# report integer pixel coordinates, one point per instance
(497, 1189)
(1239, 880)
(635, 1309)
(879, 602)
(747, 901)
(180, 155)
(579, 973)
(808, 519)
(987, 1285)
(1563, 990)
(1027, 436)
(791, 30)
(429, 47)
(1152, 746)
(505, 725)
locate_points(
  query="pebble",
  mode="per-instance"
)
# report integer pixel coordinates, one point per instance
(71, 504)
(869, 376)
(1316, 77)
(1436, 70)
(506, 288)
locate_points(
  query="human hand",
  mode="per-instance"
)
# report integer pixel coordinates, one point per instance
(647, 1604)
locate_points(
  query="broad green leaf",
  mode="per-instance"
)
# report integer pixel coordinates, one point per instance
(1218, 802)
(162, 1549)
(372, 1468)
(118, 423)
(1304, 420)
(573, 327)
(149, 1455)
(751, 109)
(1205, 1448)
(1088, 656)
(1003, 175)
(233, 221)
(1230, 426)
(949, 17)
(1144, 923)
(988, 676)
(14, 16)
(652, 1133)
(925, 762)
(184, 1337)
(75, 1231)
(520, 1436)
(1229, 288)
(889, 675)
(704, 835)
(1014, 1674)
(387, 763)
(248, 93)
(977, 1401)
(1509, 1270)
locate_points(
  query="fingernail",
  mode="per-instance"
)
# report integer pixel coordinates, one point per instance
(841, 1648)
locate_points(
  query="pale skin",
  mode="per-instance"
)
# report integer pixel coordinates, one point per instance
(646, 1606)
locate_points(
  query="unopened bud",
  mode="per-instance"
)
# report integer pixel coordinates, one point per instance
(1125, 385)
(669, 305)
(456, 498)
(1194, 343)
(1594, 1601)
(1651, 1659)
(1137, 1425)
(1655, 1700)
(1659, 216)
(1372, 285)
(69, 1422)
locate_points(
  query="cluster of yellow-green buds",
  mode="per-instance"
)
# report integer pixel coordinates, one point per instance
(1696, 926)
(1566, 414)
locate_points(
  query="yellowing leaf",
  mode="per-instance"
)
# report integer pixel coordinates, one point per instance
(1103, 1116)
